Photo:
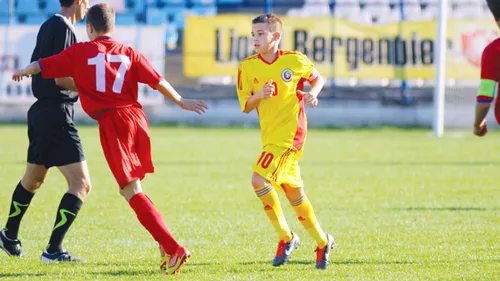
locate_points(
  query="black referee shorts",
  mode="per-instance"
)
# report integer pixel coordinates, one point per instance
(53, 137)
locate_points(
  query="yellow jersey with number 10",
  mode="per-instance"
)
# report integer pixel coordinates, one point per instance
(282, 118)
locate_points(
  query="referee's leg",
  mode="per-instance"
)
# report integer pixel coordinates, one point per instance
(32, 180)
(78, 178)
(79, 186)
(68, 157)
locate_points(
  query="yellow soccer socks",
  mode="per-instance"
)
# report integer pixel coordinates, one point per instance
(269, 197)
(306, 216)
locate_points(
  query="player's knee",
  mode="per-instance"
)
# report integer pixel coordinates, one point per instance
(293, 193)
(81, 187)
(32, 184)
(258, 181)
(131, 189)
(86, 186)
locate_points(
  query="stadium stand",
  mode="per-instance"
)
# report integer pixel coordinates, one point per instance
(49, 6)
(156, 16)
(125, 19)
(174, 11)
(4, 11)
(164, 3)
(26, 7)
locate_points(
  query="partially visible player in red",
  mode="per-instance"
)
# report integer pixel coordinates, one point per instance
(490, 75)
(106, 74)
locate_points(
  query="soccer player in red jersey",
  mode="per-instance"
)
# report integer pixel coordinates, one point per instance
(490, 75)
(106, 74)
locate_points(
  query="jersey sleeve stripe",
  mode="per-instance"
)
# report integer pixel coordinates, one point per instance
(314, 75)
(484, 99)
(240, 87)
(300, 133)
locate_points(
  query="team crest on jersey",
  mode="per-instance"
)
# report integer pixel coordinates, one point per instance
(287, 75)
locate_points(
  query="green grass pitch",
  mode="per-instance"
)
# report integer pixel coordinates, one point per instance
(401, 204)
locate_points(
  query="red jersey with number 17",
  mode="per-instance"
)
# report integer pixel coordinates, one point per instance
(106, 73)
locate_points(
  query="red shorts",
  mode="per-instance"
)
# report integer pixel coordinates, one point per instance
(125, 141)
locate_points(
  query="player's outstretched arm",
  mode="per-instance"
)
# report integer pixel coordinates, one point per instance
(167, 90)
(32, 68)
(487, 88)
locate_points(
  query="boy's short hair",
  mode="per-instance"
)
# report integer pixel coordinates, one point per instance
(272, 20)
(101, 17)
(494, 6)
(67, 3)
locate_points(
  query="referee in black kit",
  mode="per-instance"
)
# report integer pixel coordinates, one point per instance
(53, 139)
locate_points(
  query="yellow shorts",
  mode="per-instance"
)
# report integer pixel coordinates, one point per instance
(279, 165)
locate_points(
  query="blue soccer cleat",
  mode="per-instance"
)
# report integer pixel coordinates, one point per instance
(59, 256)
(285, 250)
(323, 254)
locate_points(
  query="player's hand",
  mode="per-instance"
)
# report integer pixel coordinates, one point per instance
(197, 106)
(310, 99)
(19, 75)
(268, 90)
(481, 130)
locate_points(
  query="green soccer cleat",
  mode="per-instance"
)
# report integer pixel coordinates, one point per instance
(163, 258)
(176, 261)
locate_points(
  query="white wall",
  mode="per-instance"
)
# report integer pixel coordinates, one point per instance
(327, 114)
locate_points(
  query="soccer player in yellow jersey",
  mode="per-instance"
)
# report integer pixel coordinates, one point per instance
(272, 82)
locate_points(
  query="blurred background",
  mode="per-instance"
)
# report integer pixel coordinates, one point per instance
(378, 56)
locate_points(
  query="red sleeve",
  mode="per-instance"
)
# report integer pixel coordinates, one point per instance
(489, 74)
(60, 65)
(145, 72)
(489, 68)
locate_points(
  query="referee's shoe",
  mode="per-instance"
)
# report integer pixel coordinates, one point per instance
(59, 256)
(11, 246)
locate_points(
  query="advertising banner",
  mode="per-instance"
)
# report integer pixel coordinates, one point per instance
(17, 44)
(342, 49)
